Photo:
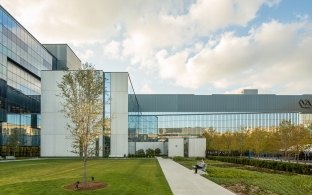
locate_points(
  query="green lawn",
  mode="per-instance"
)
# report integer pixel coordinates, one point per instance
(249, 180)
(131, 176)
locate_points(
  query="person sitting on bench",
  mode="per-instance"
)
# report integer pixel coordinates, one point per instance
(200, 165)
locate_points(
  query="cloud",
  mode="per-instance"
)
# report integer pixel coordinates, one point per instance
(172, 31)
(112, 49)
(146, 89)
(79, 21)
(169, 23)
(86, 55)
(270, 55)
(136, 29)
(176, 40)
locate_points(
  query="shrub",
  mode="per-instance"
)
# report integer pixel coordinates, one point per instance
(275, 165)
(178, 158)
(157, 151)
(150, 152)
(140, 153)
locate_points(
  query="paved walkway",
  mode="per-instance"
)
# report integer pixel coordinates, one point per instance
(28, 159)
(183, 181)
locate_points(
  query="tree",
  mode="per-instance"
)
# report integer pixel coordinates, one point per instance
(227, 138)
(285, 132)
(210, 135)
(258, 140)
(240, 141)
(300, 138)
(218, 142)
(14, 140)
(82, 104)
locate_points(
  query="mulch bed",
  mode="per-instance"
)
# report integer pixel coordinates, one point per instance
(87, 186)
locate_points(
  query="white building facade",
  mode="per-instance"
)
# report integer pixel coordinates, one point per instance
(56, 140)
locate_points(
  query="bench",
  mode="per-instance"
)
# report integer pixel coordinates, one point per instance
(1, 158)
(201, 170)
(10, 158)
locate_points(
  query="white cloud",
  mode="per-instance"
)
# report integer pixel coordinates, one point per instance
(272, 54)
(146, 89)
(85, 56)
(166, 39)
(113, 49)
(79, 21)
(159, 24)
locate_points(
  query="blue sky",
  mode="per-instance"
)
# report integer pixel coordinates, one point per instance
(184, 47)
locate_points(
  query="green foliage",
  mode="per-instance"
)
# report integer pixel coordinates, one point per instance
(133, 176)
(82, 104)
(275, 165)
(150, 152)
(180, 158)
(254, 181)
(157, 151)
(287, 139)
(140, 153)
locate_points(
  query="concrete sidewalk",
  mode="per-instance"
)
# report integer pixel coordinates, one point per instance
(183, 181)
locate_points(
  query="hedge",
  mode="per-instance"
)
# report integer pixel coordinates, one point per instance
(275, 165)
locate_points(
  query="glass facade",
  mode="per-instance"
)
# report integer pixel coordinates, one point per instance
(22, 58)
(140, 128)
(153, 125)
(22, 80)
(21, 135)
(143, 128)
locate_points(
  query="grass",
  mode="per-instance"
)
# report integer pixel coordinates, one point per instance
(249, 180)
(123, 176)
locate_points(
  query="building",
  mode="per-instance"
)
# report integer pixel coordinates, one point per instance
(173, 123)
(22, 58)
(192, 114)
(32, 123)
(124, 133)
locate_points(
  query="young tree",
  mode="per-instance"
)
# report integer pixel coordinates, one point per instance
(285, 133)
(82, 104)
(210, 135)
(300, 139)
(240, 141)
(258, 140)
(228, 140)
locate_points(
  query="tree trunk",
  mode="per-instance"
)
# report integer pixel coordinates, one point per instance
(85, 169)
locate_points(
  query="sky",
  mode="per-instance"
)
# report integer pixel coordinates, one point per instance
(183, 46)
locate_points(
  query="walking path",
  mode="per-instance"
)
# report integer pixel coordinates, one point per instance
(183, 181)
(27, 159)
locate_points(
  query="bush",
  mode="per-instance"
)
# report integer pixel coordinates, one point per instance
(157, 151)
(179, 158)
(140, 153)
(150, 152)
(275, 165)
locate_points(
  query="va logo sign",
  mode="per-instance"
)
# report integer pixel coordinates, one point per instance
(305, 104)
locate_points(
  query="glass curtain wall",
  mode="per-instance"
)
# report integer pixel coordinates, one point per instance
(21, 135)
(162, 125)
(140, 128)
(22, 58)
(306, 119)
